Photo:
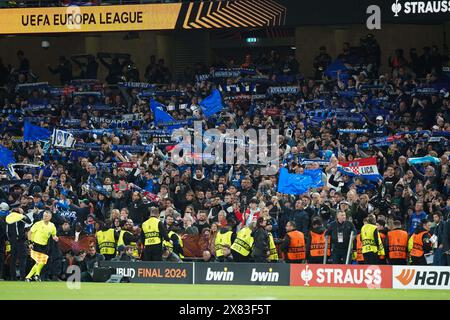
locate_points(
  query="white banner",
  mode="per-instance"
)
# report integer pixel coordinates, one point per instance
(62, 139)
(421, 277)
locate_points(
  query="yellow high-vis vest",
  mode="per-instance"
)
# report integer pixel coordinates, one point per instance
(243, 242)
(106, 241)
(222, 240)
(169, 244)
(151, 231)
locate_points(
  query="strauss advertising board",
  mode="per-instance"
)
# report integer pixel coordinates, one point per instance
(352, 276)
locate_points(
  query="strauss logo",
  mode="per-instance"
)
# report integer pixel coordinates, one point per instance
(396, 8)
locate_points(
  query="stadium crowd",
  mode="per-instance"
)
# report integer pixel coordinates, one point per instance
(118, 186)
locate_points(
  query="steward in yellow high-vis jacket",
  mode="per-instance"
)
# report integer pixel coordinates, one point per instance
(371, 241)
(152, 236)
(242, 245)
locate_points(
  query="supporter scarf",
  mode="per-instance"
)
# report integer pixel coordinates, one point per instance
(353, 130)
(238, 88)
(32, 86)
(71, 122)
(137, 85)
(14, 181)
(414, 161)
(97, 107)
(320, 162)
(202, 77)
(87, 93)
(87, 146)
(315, 101)
(37, 107)
(151, 196)
(441, 134)
(132, 149)
(283, 90)
(100, 132)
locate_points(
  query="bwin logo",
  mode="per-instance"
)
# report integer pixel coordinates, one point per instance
(224, 275)
(265, 276)
(396, 8)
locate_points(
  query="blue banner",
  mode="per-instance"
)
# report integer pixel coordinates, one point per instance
(35, 133)
(291, 183)
(212, 104)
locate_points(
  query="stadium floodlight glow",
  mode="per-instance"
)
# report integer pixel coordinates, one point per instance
(251, 40)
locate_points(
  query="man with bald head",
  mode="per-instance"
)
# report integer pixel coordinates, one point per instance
(340, 231)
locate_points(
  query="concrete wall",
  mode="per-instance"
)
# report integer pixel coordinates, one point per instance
(67, 45)
(390, 37)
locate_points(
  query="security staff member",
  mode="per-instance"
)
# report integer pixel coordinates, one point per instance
(224, 239)
(107, 238)
(127, 238)
(419, 243)
(273, 252)
(358, 245)
(17, 236)
(315, 243)
(397, 245)
(152, 235)
(293, 246)
(176, 243)
(242, 245)
(371, 241)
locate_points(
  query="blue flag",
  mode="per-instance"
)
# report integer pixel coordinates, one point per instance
(35, 133)
(159, 113)
(292, 183)
(6, 157)
(212, 104)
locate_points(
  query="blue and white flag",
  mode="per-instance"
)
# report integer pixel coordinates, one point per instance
(62, 139)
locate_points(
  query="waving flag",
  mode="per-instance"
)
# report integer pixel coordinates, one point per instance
(35, 133)
(62, 139)
(365, 168)
(212, 104)
(159, 113)
(292, 183)
(6, 157)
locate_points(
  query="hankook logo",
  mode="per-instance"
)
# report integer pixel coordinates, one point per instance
(406, 276)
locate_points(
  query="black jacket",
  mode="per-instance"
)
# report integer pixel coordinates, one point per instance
(446, 235)
(138, 212)
(261, 242)
(345, 228)
(16, 231)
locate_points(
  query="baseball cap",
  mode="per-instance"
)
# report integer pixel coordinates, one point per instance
(380, 118)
